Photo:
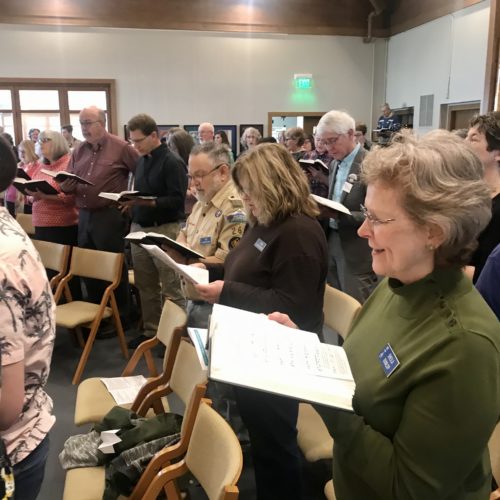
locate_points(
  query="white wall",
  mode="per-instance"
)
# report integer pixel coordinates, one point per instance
(445, 57)
(189, 77)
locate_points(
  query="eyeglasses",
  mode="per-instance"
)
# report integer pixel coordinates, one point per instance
(372, 219)
(88, 123)
(200, 177)
(331, 140)
(138, 141)
(44, 140)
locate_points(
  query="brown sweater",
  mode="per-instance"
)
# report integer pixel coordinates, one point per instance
(281, 267)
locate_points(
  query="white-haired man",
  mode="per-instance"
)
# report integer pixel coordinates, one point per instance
(206, 132)
(350, 261)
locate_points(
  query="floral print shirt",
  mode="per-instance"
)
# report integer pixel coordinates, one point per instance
(27, 331)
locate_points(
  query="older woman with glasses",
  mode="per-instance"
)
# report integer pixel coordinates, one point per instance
(425, 348)
(55, 216)
(279, 264)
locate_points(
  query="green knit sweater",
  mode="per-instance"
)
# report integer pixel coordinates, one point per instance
(422, 432)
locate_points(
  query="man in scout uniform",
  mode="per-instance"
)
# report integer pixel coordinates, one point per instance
(217, 221)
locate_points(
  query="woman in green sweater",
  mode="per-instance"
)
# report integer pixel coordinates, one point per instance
(425, 348)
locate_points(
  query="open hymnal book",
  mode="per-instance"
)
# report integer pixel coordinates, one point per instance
(124, 389)
(22, 174)
(334, 205)
(126, 196)
(64, 176)
(316, 164)
(160, 239)
(249, 350)
(24, 185)
(195, 275)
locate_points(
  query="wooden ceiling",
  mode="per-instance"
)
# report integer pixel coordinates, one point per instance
(316, 17)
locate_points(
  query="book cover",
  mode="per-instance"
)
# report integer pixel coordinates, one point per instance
(139, 237)
(24, 185)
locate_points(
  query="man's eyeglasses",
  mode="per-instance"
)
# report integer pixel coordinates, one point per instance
(331, 140)
(372, 219)
(88, 123)
(138, 141)
(200, 177)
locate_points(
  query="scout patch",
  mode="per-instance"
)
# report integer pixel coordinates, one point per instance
(233, 242)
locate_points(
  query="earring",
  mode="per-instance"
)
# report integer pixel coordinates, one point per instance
(430, 247)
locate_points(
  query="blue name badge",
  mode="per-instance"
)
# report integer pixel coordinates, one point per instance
(260, 245)
(388, 360)
(206, 240)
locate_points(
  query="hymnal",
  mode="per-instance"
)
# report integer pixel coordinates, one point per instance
(64, 176)
(250, 350)
(139, 237)
(126, 196)
(316, 164)
(24, 185)
(22, 174)
(334, 205)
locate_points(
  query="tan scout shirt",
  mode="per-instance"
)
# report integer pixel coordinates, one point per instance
(216, 227)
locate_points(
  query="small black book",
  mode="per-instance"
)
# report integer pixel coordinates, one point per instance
(24, 185)
(316, 164)
(22, 174)
(160, 239)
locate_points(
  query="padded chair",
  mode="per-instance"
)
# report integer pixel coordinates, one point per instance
(105, 266)
(55, 257)
(26, 222)
(313, 438)
(213, 457)
(188, 382)
(93, 400)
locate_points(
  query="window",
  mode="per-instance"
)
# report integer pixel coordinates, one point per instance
(43, 104)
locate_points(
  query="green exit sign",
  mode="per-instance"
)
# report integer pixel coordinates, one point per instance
(303, 83)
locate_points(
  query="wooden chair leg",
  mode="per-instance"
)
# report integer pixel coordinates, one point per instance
(86, 352)
(118, 326)
(79, 337)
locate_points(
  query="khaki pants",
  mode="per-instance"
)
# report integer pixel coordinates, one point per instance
(155, 281)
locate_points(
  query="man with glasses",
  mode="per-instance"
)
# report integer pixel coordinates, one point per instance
(107, 161)
(350, 265)
(217, 221)
(162, 174)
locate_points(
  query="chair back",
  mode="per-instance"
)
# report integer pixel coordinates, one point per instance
(214, 454)
(97, 264)
(339, 310)
(54, 257)
(172, 317)
(26, 222)
(187, 372)
(494, 447)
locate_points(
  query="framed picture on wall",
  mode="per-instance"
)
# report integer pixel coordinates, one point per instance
(230, 131)
(259, 127)
(192, 130)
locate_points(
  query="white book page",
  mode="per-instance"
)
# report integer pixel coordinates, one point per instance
(124, 389)
(193, 274)
(334, 205)
(249, 350)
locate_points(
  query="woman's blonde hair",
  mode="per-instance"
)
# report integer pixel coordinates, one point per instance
(277, 183)
(29, 150)
(441, 182)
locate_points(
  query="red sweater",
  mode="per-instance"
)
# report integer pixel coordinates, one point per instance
(59, 212)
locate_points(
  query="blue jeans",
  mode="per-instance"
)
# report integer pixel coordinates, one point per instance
(28, 473)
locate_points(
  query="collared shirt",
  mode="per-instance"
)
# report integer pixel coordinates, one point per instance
(107, 165)
(163, 174)
(216, 227)
(343, 168)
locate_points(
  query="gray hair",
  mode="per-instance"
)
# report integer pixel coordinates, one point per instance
(217, 153)
(58, 144)
(246, 132)
(338, 122)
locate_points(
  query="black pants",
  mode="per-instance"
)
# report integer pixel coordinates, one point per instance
(272, 426)
(104, 229)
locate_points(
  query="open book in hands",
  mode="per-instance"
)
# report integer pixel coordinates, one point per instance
(126, 196)
(314, 164)
(139, 237)
(64, 176)
(249, 350)
(24, 186)
(192, 274)
(333, 205)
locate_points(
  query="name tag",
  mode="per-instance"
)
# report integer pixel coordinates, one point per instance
(206, 240)
(260, 245)
(347, 187)
(388, 360)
